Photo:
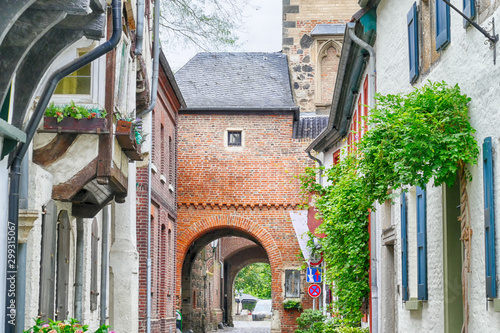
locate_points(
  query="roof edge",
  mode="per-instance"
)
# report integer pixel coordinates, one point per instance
(171, 78)
(242, 110)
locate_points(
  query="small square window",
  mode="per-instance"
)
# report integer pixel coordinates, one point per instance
(234, 138)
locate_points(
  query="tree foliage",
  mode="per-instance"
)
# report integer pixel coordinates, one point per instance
(411, 139)
(255, 280)
(207, 24)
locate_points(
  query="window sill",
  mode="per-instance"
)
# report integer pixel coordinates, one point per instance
(413, 305)
(496, 305)
(163, 179)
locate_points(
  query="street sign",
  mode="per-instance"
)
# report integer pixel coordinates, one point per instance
(314, 290)
(316, 259)
(314, 275)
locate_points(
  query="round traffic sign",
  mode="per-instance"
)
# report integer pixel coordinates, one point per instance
(314, 290)
(316, 259)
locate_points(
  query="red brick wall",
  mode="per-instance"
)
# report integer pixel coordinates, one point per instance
(163, 215)
(251, 191)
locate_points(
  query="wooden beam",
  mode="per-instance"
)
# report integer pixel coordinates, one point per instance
(54, 150)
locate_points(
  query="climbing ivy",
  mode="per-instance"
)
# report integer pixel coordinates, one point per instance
(412, 139)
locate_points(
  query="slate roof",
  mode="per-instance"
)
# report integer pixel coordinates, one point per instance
(328, 29)
(236, 80)
(309, 127)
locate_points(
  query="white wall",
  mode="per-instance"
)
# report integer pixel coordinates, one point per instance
(468, 62)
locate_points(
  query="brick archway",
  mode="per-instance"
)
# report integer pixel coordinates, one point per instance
(197, 230)
(220, 225)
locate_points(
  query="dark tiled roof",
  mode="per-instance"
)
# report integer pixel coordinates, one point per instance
(236, 80)
(309, 127)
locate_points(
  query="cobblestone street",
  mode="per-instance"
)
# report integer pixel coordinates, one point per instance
(250, 327)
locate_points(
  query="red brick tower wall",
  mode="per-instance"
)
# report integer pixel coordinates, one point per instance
(251, 190)
(163, 214)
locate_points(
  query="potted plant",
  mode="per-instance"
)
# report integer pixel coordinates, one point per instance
(74, 118)
(292, 304)
(68, 326)
(129, 135)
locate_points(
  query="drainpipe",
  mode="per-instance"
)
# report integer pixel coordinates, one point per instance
(154, 88)
(22, 249)
(371, 104)
(140, 28)
(104, 264)
(317, 160)
(371, 63)
(79, 269)
(15, 163)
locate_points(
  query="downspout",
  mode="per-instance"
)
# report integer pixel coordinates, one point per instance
(104, 264)
(317, 160)
(140, 28)
(22, 250)
(79, 270)
(154, 89)
(15, 162)
(371, 104)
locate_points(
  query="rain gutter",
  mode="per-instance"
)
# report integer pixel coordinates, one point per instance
(15, 163)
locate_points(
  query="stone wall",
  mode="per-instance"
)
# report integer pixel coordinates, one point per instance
(305, 52)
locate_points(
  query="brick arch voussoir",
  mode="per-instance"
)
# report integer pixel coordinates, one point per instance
(198, 229)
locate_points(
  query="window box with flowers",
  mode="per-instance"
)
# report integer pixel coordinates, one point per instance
(292, 304)
(130, 137)
(69, 326)
(74, 119)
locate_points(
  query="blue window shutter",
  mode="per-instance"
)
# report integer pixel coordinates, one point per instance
(469, 10)
(413, 42)
(442, 24)
(489, 219)
(421, 244)
(404, 247)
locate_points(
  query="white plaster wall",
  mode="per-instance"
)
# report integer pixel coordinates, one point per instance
(124, 263)
(468, 62)
(39, 194)
(83, 150)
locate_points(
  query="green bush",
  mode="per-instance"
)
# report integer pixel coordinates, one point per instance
(313, 321)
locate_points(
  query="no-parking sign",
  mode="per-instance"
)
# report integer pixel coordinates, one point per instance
(314, 290)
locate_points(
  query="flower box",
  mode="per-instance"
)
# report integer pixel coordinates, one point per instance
(126, 138)
(72, 125)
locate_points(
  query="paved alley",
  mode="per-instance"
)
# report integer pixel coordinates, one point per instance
(250, 327)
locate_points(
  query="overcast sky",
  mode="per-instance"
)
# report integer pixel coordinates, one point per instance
(260, 32)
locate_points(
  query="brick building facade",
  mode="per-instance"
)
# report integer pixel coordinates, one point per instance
(163, 208)
(237, 161)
